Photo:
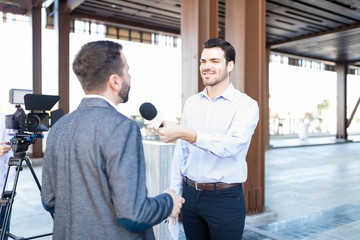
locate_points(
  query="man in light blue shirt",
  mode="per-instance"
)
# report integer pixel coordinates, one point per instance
(209, 163)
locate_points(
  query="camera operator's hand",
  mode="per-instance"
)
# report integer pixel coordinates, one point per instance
(178, 202)
(4, 148)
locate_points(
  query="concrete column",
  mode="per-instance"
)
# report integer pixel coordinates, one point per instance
(37, 73)
(199, 22)
(341, 71)
(62, 28)
(245, 28)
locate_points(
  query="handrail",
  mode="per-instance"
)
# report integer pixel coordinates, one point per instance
(353, 113)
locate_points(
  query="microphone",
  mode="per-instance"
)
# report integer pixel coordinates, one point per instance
(149, 112)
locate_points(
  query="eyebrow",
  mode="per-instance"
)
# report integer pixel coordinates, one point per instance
(211, 59)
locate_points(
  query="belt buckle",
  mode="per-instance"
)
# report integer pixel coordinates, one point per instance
(196, 187)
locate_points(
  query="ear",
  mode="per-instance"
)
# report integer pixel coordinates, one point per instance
(230, 66)
(114, 82)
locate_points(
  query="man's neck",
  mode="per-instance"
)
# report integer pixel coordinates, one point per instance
(217, 89)
(107, 94)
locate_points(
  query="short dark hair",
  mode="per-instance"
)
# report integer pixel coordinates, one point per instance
(228, 49)
(95, 62)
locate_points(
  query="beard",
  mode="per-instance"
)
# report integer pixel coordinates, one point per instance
(124, 92)
(213, 82)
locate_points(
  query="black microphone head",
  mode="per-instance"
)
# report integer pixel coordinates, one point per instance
(148, 111)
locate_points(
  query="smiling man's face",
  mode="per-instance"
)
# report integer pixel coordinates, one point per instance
(213, 68)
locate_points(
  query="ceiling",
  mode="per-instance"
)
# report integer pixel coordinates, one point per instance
(21, 7)
(321, 29)
(326, 30)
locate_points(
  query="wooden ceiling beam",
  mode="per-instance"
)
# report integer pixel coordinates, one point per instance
(282, 43)
(73, 4)
(122, 22)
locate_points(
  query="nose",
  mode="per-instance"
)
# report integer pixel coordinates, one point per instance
(205, 65)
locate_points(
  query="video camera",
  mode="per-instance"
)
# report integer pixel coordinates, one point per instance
(29, 127)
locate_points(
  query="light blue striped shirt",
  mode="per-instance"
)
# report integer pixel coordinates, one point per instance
(224, 129)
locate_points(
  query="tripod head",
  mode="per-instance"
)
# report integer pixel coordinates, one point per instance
(20, 142)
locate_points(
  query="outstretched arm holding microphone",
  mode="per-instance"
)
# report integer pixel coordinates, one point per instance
(168, 131)
(172, 131)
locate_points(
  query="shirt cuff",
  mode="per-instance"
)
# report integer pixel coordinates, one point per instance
(201, 139)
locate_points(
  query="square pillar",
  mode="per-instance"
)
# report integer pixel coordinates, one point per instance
(341, 126)
(245, 28)
(62, 28)
(36, 61)
(199, 22)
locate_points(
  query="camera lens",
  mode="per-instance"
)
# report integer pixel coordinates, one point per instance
(33, 122)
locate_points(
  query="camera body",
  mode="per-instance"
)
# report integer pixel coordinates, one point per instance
(29, 127)
(32, 122)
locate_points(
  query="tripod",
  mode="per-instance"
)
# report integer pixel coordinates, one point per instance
(7, 198)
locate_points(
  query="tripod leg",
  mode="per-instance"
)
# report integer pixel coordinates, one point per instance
(7, 200)
(28, 162)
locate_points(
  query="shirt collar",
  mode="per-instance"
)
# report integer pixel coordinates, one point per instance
(228, 94)
(102, 97)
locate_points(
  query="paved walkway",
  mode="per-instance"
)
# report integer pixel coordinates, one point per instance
(311, 192)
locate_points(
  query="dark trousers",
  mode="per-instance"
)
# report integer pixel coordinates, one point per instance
(215, 215)
(2, 216)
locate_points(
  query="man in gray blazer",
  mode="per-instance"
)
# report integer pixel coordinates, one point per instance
(93, 168)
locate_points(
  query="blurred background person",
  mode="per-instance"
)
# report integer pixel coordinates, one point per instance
(5, 154)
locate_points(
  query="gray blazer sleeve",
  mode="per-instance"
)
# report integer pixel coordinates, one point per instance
(48, 179)
(125, 169)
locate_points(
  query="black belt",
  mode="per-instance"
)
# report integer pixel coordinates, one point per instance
(209, 186)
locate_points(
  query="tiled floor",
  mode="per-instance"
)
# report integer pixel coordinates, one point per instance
(310, 193)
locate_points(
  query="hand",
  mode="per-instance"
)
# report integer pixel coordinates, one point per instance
(4, 148)
(172, 131)
(177, 204)
(169, 131)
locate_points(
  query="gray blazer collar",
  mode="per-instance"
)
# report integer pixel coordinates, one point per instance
(94, 102)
